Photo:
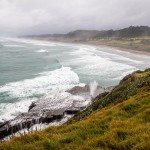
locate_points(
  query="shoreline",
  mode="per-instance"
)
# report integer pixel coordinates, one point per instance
(122, 49)
(88, 43)
(27, 120)
(40, 116)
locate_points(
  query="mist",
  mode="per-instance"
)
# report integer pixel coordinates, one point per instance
(25, 17)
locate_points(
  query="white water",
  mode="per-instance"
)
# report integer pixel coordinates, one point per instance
(38, 127)
(93, 87)
(32, 70)
(47, 84)
(42, 51)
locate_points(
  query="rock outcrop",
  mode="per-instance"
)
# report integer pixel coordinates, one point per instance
(43, 111)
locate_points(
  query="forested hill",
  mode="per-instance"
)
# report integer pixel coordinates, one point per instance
(130, 32)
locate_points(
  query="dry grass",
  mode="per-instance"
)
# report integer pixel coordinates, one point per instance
(121, 126)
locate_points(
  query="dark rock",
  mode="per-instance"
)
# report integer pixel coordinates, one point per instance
(48, 119)
(41, 112)
(3, 132)
(78, 89)
(72, 111)
(31, 106)
(3, 123)
(58, 114)
(57, 117)
(27, 120)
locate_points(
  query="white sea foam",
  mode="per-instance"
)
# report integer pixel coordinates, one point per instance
(44, 43)
(87, 60)
(103, 52)
(12, 45)
(122, 56)
(50, 83)
(11, 110)
(42, 51)
(97, 65)
(59, 80)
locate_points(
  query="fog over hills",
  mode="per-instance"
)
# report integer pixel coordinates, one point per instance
(30, 17)
(130, 32)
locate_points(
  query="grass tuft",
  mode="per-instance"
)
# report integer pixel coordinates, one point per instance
(119, 120)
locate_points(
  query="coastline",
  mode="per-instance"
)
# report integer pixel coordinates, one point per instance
(27, 120)
(123, 119)
(120, 48)
(40, 115)
(95, 43)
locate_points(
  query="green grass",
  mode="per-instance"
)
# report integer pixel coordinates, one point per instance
(119, 120)
(140, 44)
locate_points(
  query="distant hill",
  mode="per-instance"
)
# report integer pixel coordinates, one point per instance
(130, 32)
(131, 38)
(82, 34)
(125, 33)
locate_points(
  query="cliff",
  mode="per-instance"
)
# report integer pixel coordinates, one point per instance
(116, 120)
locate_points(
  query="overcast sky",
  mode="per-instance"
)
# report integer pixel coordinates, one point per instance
(60, 16)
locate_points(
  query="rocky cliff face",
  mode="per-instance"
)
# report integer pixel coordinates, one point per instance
(42, 112)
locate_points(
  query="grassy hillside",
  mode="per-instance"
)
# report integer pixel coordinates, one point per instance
(137, 44)
(118, 120)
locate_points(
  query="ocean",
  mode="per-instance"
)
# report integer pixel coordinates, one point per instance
(31, 70)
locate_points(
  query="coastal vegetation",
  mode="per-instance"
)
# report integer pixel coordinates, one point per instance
(118, 120)
(138, 44)
(136, 38)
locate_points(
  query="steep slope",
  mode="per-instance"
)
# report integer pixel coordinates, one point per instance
(117, 120)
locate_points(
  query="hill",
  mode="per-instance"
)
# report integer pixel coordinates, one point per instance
(118, 120)
(130, 32)
(136, 38)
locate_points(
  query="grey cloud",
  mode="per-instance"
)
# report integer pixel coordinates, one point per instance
(60, 16)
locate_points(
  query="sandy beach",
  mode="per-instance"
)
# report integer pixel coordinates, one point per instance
(120, 47)
(136, 50)
(114, 47)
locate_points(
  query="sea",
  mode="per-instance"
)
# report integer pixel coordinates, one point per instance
(32, 70)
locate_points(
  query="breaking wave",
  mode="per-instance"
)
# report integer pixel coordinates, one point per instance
(28, 90)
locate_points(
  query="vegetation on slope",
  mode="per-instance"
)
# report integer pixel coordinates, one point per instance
(128, 87)
(133, 38)
(118, 120)
(137, 44)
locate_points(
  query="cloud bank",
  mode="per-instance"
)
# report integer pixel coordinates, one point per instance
(60, 16)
